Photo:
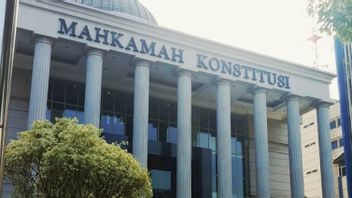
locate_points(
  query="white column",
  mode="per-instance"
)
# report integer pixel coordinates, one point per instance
(327, 178)
(40, 80)
(261, 144)
(93, 87)
(140, 112)
(223, 115)
(184, 134)
(294, 147)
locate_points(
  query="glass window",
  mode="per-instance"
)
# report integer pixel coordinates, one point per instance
(161, 179)
(59, 90)
(213, 173)
(334, 144)
(81, 94)
(202, 139)
(153, 109)
(341, 142)
(171, 135)
(203, 118)
(312, 123)
(164, 111)
(332, 124)
(173, 112)
(72, 93)
(152, 132)
(112, 124)
(108, 100)
(338, 122)
(212, 141)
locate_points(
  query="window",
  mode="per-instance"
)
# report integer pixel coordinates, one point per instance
(338, 122)
(305, 126)
(171, 135)
(161, 179)
(312, 123)
(341, 142)
(152, 132)
(332, 124)
(334, 144)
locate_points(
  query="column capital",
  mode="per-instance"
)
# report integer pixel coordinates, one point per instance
(221, 81)
(141, 63)
(183, 72)
(256, 90)
(290, 97)
(96, 52)
(42, 39)
(322, 104)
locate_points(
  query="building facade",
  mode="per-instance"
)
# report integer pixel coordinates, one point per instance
(310, 154)
(208, 120)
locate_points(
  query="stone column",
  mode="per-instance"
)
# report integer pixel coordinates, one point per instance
(327, 178)
(261, 144)
(294, 147)
(40, 80)
(184, 134)
(140, 111)
(223, 103)
(93, 87)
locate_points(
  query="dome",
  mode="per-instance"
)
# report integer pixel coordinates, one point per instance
(130, 7)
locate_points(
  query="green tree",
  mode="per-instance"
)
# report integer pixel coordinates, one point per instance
(67, 159)
(334, 16)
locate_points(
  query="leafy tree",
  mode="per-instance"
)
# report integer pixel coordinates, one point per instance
(67, 159)
(334, 16)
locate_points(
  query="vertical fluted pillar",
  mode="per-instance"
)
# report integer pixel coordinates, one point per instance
(184, 134)
(140, 111)
(223, 103)
(40, 80)
(294, 147)
(93, 87)
(261, 144)
(327, 178)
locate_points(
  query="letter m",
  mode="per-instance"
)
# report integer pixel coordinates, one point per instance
(71, 30)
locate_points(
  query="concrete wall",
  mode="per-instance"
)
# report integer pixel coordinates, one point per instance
(278, 159)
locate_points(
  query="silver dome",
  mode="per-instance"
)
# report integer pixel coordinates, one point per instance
(131, 7)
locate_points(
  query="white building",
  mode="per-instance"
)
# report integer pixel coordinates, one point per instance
(310, 153)
(207, 119)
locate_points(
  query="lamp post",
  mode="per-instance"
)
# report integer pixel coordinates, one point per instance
(8, 24)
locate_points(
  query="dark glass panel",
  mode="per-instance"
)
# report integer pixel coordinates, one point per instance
(332, 124)
(120, 105)
(164, 111)
(162, 131)
(195, 117)
(108, 100)
(212, 119)
(173, 112)
(203, 118)
(153, 108)
(81, 94)
(334, 144)
(56, 111)
(59, 90)
(50, 90)
(72, 93)
(129, 103)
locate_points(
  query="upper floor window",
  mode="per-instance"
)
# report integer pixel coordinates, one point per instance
(332, 124)
(334, 144)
